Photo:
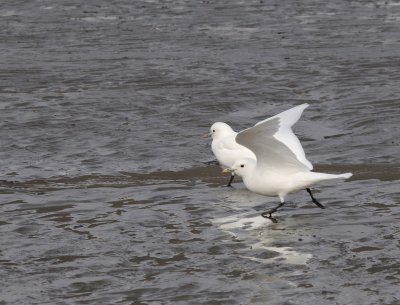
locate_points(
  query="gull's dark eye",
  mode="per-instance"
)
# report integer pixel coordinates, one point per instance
(213, 130)
(242, 165)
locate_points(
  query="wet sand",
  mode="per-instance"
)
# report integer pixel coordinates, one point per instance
(184, 238)
(211, 174)
(107, 192)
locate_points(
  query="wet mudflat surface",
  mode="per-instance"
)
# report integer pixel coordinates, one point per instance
(106, 191)
(185, 239)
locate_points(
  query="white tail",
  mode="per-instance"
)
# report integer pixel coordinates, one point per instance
(323, 176)
(346, 175)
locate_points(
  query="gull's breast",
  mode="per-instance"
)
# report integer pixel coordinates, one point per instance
(268, 184)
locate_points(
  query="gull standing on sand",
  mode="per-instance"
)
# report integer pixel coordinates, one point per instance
(280, 166)
(225, 148)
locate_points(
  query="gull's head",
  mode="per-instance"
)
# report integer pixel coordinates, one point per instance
(219, 130)
(243, 167)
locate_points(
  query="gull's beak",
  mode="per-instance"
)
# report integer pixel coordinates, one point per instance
(229, 170)
(208, 134)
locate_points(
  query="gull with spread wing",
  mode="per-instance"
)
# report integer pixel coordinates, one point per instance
(280, 166)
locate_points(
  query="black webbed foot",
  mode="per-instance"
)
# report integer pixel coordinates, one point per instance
(315, 201)
(268, 214)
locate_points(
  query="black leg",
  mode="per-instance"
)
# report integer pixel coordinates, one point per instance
(268, 214)
(314, 200)
(230, 180)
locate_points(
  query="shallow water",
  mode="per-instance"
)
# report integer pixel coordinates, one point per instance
(107, 195)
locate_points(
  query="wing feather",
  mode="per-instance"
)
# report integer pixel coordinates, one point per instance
(285, 134)
(271, 153)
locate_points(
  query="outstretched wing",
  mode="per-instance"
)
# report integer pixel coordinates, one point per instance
(285, 134)
(271, 153)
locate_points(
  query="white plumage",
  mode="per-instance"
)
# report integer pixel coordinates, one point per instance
(268, 156)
